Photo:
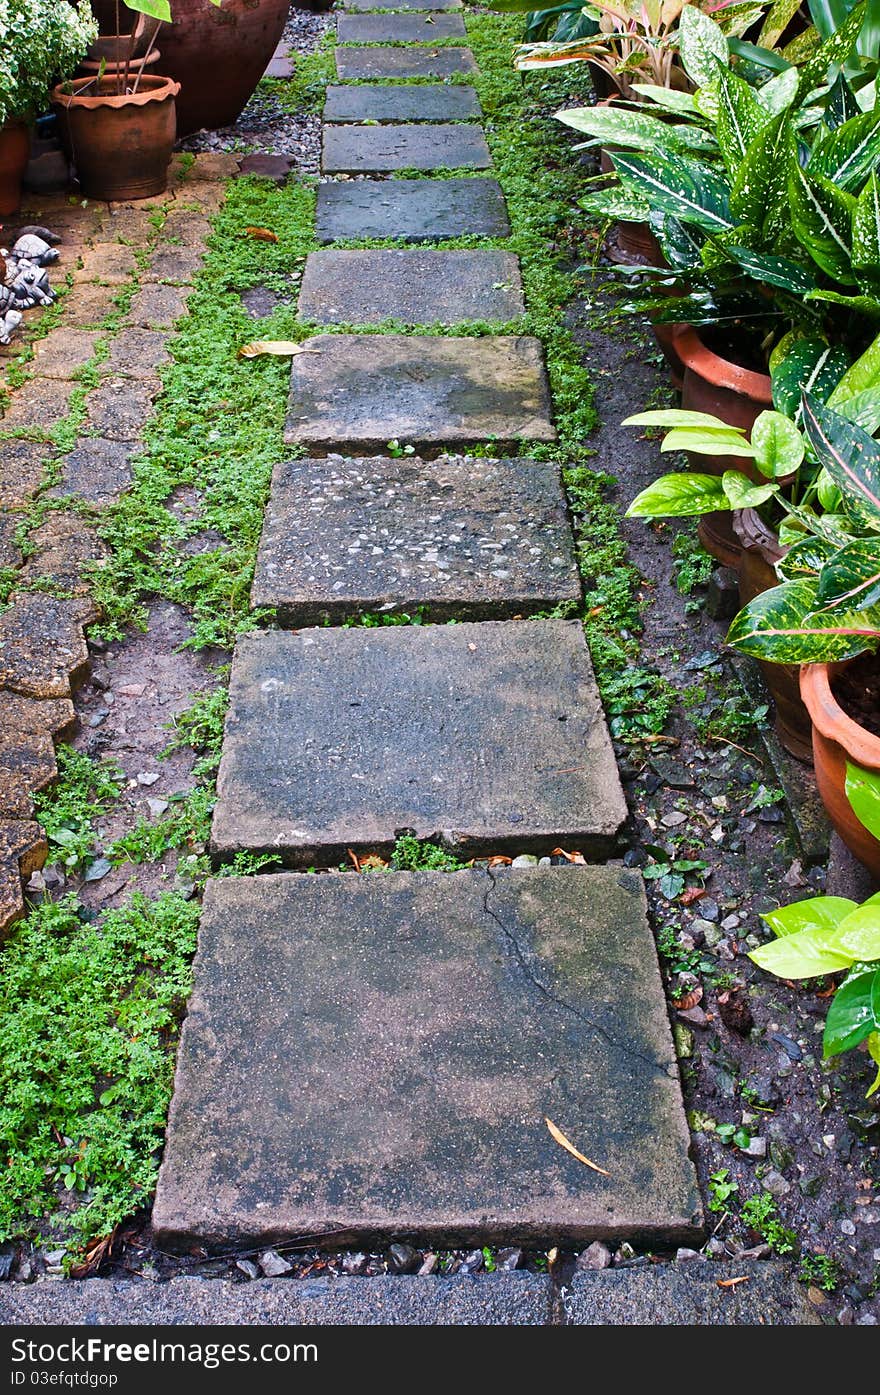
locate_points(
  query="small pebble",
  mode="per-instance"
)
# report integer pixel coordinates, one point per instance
(355, 1263)
(148, 777)
(403, 1259)
(508, 1260)
(248, 1267)
(524, 860)
(472, 1262)
(157, 807)
(428, 1265)
(683, 1255)
(595, 1256)
(273, 1264)
(776, 1184)
(847, 1227)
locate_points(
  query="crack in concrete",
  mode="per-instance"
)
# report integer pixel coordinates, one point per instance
(626, 1049)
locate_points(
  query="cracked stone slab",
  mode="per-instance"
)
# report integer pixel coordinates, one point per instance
(362, 391)
(136, 353)
(333, 1074)
(27, 764)
(483, 736)
(689, 1295)
(388, 102)
(413, 286)
(120, 408)
(158, 306)
(38, 406)
(419, 210)
(87, 305)
(98, 470)
(21, 472)
(466, 539)
(177, 265)
(64, 352)
(43, 652)
(430, 146)
(358, 63)
(497, 1300)
(55, 716)
(64, 543)
(411, 28)
(109, 263)
(23, 850)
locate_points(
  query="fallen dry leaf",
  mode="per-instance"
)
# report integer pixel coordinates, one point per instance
(691, 894)
(732, 1283)
(283, 348)
(354, 858)
(499, 861)
(262, 234)
(688, 1000)
(373, 861)
(570, 1148)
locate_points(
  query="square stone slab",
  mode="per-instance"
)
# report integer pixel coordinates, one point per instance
(357, 63)
(366, 390)
(388, 102)
(485, 736)
(375, 149)
(377, 1055)
(365, 5)
(467, 539)
(416, 210)
(402, 28)
(410, 285)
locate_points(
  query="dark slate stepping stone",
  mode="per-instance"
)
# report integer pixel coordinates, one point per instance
(362, 391)
(468, 539)
(356, 63)
(389, 102)
(373, 149)
(364, 5)
(377, 1054)
(418, 210)
(690, 1294)
(398, 28)
(487, 736)
(413, 286)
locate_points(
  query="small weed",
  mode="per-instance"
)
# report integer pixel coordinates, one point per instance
(721, 1189)
(692, 564)
(410, 855)
(737, 1134)
(85, 790)
(372, 620)
(761, 1214)
(821, 1271)
(489, 1260)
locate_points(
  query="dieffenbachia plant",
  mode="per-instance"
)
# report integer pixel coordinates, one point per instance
(833, 935)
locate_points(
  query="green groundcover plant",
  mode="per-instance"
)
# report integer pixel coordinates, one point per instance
(41, 42)
(833, 935)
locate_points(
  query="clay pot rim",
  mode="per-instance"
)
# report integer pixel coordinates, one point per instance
(829, 718)
(112, 65)
(153, 88)
(718, 371)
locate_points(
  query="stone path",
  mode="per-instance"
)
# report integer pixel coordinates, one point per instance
(376, 1056)
(43, 653)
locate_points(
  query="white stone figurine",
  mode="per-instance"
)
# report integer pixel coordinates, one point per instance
(9, 323)
(30, 286)
(34, 249)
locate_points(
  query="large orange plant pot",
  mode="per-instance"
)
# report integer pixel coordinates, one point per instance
(121, 145)
(836, 739)
(15, 146)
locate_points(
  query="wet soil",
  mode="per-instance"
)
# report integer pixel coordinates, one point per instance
(857, 689)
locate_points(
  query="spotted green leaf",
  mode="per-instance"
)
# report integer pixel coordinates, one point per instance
(831, 54)
(679, 186)
(809, 365)
(740, 118)
(840, 104)
(851, 457)
(850, 580)
(702, 46)
(777, 443)
(635, 130)
(679, 496)
(780, 626)
(759, 187)
(848, 155)
(775, 271)
(859, 377)
(805, 558)
(743, 493)
(866, 236)
(821, 215)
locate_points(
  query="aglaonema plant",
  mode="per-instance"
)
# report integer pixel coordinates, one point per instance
(833, 935)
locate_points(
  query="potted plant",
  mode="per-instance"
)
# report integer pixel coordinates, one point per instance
(833, 935)
(119, 126)
(50, 39)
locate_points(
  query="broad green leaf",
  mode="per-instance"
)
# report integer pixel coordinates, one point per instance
(859, 934)
(700, 442)
(759, 188)
(851, 579)
(617, 203)
(851, 457)
(827, 493)
(821, 216)
(832, 54)
(779, 625)
(778, 94)
(675, 416)
(873, 1044)
(775, 271)
(822, 913)
(859, 377)
(634, 130)
(848, 155)
(767, 58)
(778, 445)
(156, 9)
(702, 46)
(742, 493)
(840, 104)
(680, 102)
(740, 118)
(851, 1014)
(856, 304)
(863, 409)
(805, 558)
(866, 236)
(863, 793)
(676, 185)
(679, 496)
(803, 955)
(809, 365)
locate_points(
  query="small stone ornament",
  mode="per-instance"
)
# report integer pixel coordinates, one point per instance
(30, 285)
(7, 299)
(33, 248)
(9, 323)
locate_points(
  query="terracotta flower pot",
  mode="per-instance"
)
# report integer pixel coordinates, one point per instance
(218, 56)
(630, 244)
(737, 395)
(761, 550)
(836, 739)
(15, 148)
(121, 146)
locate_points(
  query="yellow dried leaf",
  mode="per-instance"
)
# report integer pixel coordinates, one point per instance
(282, 348)
(570, 1148)
(262, 234)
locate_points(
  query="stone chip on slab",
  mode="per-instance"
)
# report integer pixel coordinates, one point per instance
(485, 736)
(465, 539)
(411, 285)
(363, 391)
(377, 1054)
(418, 210)
(378, 149)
